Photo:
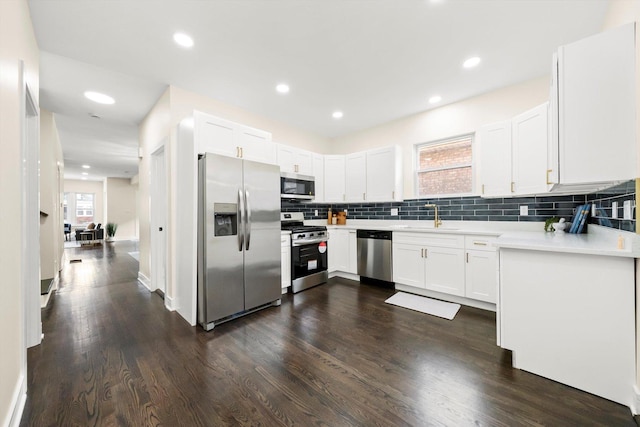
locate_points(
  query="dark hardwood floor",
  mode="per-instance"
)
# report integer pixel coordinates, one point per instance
(333, 355)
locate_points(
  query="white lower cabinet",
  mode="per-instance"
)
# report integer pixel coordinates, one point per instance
(343, 251)
(482, 268)
(446, 263)
(338, 248)
(285, 253)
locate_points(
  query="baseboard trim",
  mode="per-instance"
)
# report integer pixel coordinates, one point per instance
(170, 303)
(344, 275)
(446, 297)
(636, 401)
(18, 401)
(145, 281)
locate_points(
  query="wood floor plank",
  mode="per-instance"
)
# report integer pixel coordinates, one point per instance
(334, 355)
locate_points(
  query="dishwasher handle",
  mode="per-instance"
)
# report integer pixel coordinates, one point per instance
(374, 234)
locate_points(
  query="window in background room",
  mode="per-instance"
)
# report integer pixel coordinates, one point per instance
(65, 205)
(84, 208)
(445, 167)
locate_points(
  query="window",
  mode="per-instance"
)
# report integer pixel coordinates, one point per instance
(445, 167)
(79, 208)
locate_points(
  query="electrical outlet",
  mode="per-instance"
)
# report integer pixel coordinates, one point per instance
(524, 210)
(316, 212)
(394, 211)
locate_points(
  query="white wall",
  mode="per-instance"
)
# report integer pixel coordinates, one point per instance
(95, 187)
(51, 169)
(450, 120)
(121, 207)
(17, 42)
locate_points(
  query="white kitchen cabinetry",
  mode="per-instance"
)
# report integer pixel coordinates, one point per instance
(219, 136)
(481, 269)
(343, 251)
(285, 246)
(529, 132)
(495, 159)
(384, 174)
(513, 155)
(294, 160)
(595, 92)
(430, 261)
(318, 173)
(356, 177)
(338, 247)
(353, 252)
(334, 177)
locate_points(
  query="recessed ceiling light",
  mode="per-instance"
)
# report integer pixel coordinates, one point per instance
(183, 40)
(434, 99)
(337, 114)
(471, 62)
(86, 167)
(85, 173)
(98, 97)
(282, 88)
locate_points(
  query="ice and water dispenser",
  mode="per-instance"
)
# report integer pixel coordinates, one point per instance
(225, 219)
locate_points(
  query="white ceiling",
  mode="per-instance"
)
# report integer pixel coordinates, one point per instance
(375, 60)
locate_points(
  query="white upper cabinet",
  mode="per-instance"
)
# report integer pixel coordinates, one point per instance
(318, 173)
(596, 110)
(256, 145)
(495, 159)
(356, 177)
(219, 136)
(215, 135)
(295, 160)
(384, 174)
(334, 178)
(513, 155)
(529, 133)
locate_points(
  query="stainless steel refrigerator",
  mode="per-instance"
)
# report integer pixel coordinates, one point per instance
(238, 238)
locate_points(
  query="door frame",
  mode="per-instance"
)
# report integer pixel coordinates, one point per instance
(159, 203)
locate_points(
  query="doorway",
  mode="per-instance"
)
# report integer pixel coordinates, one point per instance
(158, 219)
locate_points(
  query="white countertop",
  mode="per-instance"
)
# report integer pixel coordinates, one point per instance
(514, 235)
(598, 241)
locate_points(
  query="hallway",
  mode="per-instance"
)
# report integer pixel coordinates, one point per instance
(333, 355)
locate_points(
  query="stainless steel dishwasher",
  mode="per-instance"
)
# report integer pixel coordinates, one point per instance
(374, 255)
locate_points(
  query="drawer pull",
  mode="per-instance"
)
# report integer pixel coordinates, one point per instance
(480, 243)
(548, 172)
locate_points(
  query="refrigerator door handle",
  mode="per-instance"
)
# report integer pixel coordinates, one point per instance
(240, 220)
(247, 219)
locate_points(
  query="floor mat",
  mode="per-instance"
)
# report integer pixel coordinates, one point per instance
(426, 305)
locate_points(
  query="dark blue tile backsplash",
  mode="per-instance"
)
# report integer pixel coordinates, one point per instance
(475, 208)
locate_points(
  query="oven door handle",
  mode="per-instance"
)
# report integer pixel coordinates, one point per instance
(309, 242)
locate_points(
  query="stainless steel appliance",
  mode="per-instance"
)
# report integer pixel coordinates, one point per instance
(374, 254)
(297, 187)
(238, 238)
(309, 252)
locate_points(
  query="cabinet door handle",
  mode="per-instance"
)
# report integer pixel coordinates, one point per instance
(393, 195)
(238, 152)
(426, 253)
(363, 196)
(467, 257)
(422, 253)
(482, 191)
(241, 153)
(548, 172)
(512, 184)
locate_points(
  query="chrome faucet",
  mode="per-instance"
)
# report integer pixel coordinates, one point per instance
(436, 220)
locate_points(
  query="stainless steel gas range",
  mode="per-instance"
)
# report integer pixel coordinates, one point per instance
(309, 252)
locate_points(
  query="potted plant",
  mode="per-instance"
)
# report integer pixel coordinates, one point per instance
(111, 231)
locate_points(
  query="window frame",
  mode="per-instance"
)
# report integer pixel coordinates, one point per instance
(417, 171)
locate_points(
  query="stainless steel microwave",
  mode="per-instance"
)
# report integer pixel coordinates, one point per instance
(296, 186)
